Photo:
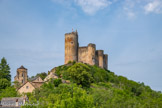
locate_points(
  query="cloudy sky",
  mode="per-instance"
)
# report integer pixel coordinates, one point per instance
(130, 31)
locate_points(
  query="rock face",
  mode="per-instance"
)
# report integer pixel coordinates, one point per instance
(87, 54)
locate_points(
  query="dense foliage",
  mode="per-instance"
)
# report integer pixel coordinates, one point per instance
(6, 90)
(4, 70)
(92, 87)
(42, 75)
(4, 83)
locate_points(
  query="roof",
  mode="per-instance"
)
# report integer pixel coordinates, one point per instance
(13, 99)
(10, 102)
(26, 83)
(32, 79)
(34, 84)
(22, 67)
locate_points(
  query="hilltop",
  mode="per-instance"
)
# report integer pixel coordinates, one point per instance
(91, 86)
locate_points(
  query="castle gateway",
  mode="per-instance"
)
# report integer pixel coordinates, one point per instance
(87, 54)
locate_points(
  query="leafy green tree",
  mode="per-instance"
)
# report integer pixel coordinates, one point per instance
(16, 84)
(42, 75)
(80, 74)
(57, 82)
(64, 96)
(99, 74)
(4, 70)
(8, 92)
(4, 83)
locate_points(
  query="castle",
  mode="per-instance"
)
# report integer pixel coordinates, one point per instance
(73, 52)
(87, 54)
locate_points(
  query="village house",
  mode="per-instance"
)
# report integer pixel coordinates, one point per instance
(31, 85)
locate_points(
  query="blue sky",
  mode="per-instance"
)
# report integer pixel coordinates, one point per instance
(129, 31)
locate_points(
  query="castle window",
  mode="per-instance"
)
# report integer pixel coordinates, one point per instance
(22, 75)
(27, 87)
(22, 81)
(72, 42)
(93, 60)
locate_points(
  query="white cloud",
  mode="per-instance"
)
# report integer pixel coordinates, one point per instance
(92, 6)
(153, 7)
(131, 14)
(131, 8)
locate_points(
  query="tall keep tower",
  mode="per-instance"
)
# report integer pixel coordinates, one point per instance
(21, 76)
(71, 47)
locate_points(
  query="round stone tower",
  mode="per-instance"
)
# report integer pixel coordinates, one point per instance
(71, 47)
(21, 76)
(101, 58)
(91, 54)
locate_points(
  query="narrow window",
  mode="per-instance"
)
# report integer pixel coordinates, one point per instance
(27, 87)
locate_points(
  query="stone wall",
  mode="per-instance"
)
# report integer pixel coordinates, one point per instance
(82, 54)
(21, 76)
(91, 54)
(87, 54)
(28, 87)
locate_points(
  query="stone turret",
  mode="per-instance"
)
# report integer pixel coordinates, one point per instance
(91, 54)
(100, 58)
(21, 76)
(71, 47)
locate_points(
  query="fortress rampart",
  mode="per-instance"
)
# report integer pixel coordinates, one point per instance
(87, 54)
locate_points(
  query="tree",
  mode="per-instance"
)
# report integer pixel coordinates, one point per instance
(63, 96)
(4, 70)
(80, 74)
(16, 84)
(8, 92)
(4, 83)
(42, 75)
(57, 82)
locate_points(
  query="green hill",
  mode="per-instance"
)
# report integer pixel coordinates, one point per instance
(93, 87)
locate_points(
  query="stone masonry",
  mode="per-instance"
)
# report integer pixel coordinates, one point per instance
(21, 75)
(87, 54)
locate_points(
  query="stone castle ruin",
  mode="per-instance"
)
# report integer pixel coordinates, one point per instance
(87, 54)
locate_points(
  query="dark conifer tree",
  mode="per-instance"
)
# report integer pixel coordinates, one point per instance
(5, 70)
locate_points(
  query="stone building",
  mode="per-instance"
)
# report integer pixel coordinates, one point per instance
(87, 54)
(27, 85)
(13, 102)
(31, 85)
(22, 75)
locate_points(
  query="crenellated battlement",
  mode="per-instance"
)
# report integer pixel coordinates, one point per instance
(91, 45)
